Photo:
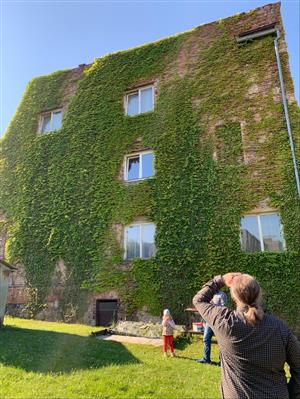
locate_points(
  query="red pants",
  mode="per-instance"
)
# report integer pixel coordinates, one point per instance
(168, 340)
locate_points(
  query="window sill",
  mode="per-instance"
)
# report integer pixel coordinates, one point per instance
(137, 257)
(138, 180)
(264, 252)
(46, 133)
(141, 113)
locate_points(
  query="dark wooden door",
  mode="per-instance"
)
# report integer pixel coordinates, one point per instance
(106, 312)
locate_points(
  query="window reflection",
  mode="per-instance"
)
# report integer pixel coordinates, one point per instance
(140, 101)
(46, 125)
(148, 246)
(133, 171)
(51, 121)
(133, 104)
(139, 166)
(133, 242)
(146, 99)
(250, 234)
(56, 120)
(261, 232)
(140, 241)
(147, 163)
(270, 226)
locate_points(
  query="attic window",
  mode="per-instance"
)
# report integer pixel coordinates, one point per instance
(51, 121)
(139, 101)
(256, 33)
(257, 30)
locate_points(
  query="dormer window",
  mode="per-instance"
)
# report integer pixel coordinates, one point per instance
(139, 101)
(139, 166)
(51, 121)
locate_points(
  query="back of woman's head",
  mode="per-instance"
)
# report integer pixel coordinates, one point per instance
(246, 292)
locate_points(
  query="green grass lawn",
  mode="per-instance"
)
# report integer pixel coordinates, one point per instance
(55, 360)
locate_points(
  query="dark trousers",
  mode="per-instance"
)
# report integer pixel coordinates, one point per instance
(208, 333)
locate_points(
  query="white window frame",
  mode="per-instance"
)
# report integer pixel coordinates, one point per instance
(135, 155)
(44, 115)
(138, 91)
(261, 238)
(140, 238)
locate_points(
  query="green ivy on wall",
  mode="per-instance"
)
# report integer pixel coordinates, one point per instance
(62, 195)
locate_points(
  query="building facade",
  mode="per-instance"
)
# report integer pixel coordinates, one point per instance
(127, 183)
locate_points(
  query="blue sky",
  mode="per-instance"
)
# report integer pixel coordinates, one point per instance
(39, 37)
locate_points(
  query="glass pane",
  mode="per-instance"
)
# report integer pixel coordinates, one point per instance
(132, 242)
(146, 99)
(148, 244)
(133, 168)
(270, 225)
(46, 124)
(147, 162)
(250, 234)
(132, 104)
(56, 120)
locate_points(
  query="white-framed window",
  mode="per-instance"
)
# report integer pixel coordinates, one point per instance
(262, 232)
(139, 241)
(51, 121)
(139, 101)
(139, 166)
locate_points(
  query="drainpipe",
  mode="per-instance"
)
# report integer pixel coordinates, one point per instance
(255, 35)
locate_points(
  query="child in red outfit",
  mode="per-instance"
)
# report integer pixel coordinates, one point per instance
(168, 326)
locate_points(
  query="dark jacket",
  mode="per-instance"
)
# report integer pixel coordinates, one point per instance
(252, 357)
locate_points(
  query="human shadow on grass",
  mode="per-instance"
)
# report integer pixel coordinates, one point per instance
(182, 342)
(212, 363)
(50, 351)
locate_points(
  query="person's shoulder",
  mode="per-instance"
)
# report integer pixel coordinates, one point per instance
(272, 320)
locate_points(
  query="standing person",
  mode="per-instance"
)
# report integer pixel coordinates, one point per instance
(219, 299)
(168, 326)
(254, 346)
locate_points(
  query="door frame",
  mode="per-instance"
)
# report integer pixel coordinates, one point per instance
(97, 315)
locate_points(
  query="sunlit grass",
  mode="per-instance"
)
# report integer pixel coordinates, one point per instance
(55, 360)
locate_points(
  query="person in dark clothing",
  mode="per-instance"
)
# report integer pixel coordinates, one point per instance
(219, 299)
(254, 346)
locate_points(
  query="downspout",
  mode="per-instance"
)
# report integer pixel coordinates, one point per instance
(286, 112)
(252, 36)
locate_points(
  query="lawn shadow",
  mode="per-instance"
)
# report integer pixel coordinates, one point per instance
(186, 357)
(182, 342)
(50, 351)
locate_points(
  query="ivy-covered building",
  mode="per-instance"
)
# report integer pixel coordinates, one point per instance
(126, 184)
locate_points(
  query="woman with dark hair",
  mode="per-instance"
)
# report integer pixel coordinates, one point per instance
(254, 346)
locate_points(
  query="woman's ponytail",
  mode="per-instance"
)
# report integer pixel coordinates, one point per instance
(254, 314)
(246, 292)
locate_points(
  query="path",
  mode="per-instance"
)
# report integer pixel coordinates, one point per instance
(132, 340)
